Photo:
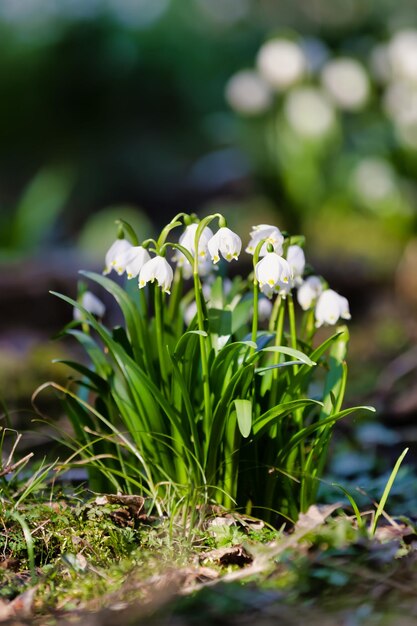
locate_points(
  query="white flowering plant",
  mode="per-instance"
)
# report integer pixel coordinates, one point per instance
(212, 390)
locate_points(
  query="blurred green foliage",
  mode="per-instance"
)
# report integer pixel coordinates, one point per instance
(121, 99)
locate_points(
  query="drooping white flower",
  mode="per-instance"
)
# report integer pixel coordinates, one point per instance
(297, 261)
(187, 240)
(330, 308)
(132, 260)
(92, 304)
(157, 269)
(271, 234)
(113, 254)
(281, 62)
(309, 291)
(226, 243)
(273, 273)
(248, 93)
(346, 82)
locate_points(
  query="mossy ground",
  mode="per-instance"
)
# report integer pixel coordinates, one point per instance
(101, 561)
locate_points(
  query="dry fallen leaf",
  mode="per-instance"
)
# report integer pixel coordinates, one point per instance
(20, 607)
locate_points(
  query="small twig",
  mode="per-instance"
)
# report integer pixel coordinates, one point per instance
(8, 469)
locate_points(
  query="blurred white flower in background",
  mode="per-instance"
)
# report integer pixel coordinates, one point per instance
(374, 180)
(273, 236)
(402, 55)
(309, 112)
(264, 309)
(248, 93)
(347, 83)
(296, 260)
(400, 103)
(92, 304)
(281, 62)
(330, 308)
(309, 291)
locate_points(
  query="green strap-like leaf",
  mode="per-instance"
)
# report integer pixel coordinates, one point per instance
(267, 419)
(244, 416)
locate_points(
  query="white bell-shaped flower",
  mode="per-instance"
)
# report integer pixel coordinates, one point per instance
(273, 273)
(271, 234)
(157, 269)
(113, 255)
(226, 243)
(308, 292)
(330, 308)
(297, 261)
(92, 304)
(132, 260)
(187, 240)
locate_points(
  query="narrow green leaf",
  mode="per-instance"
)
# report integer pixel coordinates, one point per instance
(182, 344)
(244, 416)
(267, 419)
(297, 354)
(387, 490)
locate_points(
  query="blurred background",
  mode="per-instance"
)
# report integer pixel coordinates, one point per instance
(300, 114)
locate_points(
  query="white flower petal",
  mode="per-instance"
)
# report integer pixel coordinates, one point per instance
(132, 260)
(274, 272)
(309, 291)
(281, 62)
(272, 234)
(330, 307)
(117, 248)
(297, 261)
(157, 269)
(226, 243)
(92, 304)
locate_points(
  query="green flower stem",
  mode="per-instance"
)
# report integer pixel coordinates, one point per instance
(200, 318)
(274, 314)
(298, 413)
(279, 329)
(255, 293)
(293, 328)
(126, 228)
(160, 334)
(255, 309)
(203, 351)
(165, 231)
(176, 293)
(307, 327)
